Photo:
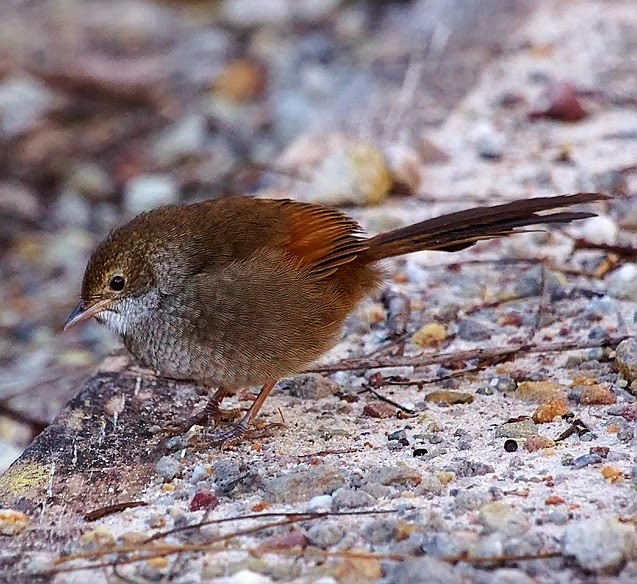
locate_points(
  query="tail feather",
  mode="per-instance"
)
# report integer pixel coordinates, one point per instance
(460, 230)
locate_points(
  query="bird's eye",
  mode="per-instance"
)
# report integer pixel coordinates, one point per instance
(117, 283)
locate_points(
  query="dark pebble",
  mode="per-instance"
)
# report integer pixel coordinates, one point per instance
(586, 460)
(399, 436)
(597, 333)
(510, 445)
(470, 329)
(600, 451)
(203, 499)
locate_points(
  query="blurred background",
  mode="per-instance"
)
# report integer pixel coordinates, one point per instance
(111, 107)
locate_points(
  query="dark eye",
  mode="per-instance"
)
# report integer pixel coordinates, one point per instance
(117, 283)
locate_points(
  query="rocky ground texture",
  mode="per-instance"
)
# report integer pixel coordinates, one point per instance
(477, 421)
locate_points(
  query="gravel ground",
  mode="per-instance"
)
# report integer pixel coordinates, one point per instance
(395, 465)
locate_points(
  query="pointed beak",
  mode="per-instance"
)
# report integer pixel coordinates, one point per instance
(83, 312)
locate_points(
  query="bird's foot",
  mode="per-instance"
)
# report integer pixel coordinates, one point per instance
(224, 439)
(209, 417)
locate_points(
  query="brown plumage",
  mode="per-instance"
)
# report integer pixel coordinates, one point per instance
(239, 291)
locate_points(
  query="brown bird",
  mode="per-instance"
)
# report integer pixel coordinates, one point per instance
(238, 292)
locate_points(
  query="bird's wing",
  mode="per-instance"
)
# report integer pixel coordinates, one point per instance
(320, 238)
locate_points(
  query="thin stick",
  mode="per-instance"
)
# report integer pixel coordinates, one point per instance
(469, 355)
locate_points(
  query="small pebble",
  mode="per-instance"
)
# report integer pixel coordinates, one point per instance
(488, 142)
(597, 333)
(399, 474)
(504, 384)
(148, 191)
(510, 445)
(429, 335)
(325, 534)
(311, 386)
(612, 474)
(622, 284)
(534, 443)
(168, 467)
(304, 484)
(597, 395)
(601, 229)
(350, 173)
(449, 397)
(199, 473)
(344, 498)
(601, 545)
(586, 460)
(379, 409)
(319, 503)
(626, 358)
(23, 103)
(503, 518)
(560, 102)
(203, 499)
(539, 391)
(399, 436)
(518, 429)
(548, 411)
(377, 490)
(470, 329)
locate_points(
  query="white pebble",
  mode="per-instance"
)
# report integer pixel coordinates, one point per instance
(148, 191)
(622, 283)
(600, 230)
(319, 503)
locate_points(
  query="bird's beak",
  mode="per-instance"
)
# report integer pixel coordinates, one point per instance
(83, 312)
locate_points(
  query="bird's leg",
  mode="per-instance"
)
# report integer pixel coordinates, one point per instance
(212, 414)
(241, 430)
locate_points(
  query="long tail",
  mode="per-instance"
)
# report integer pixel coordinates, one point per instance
(462, 229)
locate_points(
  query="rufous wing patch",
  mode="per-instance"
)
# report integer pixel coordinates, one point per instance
(321, 238)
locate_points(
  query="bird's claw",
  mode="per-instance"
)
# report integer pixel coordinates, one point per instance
(210, 416)
(232, 436)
